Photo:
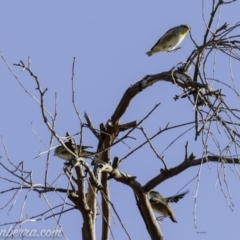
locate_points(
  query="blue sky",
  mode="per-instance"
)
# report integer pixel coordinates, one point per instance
(109, 40)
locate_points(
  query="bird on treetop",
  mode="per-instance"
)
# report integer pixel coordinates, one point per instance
(170, 40)
(62, 153)
(160, 204)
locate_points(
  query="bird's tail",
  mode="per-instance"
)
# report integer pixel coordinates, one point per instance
(87, 153)
(149, 53)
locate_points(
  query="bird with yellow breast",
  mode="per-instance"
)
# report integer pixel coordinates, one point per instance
(170, 40)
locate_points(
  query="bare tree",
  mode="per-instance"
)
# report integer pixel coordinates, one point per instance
(214, 118)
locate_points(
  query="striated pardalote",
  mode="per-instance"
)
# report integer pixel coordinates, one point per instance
(170, 40)
(160, 204)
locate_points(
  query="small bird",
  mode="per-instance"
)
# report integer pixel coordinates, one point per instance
(62, 153)
(170, 40)
(160, 204)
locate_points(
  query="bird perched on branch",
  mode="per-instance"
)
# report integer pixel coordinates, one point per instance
(62, 153)
(170, 40)
(160, 204)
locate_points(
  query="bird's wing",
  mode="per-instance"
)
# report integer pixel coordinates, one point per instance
(176, 198)
(73, 148)
(70, 146)
(158, 198)
(169, 30)
(85, 147)
(156, 44)
(156, 201)
(161, 38)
